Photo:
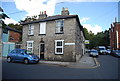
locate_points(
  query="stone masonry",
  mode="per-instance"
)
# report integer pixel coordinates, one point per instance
(72, 34)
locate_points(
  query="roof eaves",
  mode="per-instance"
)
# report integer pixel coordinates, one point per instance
(12, 29)
(51, 18)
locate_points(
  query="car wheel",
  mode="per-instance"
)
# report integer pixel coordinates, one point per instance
(26, 61)
(9, 59)
(97, 56)
(37, 62)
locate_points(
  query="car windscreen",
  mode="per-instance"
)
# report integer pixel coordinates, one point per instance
(117, 51)
(28, 52)
(102, 48)
(94, 51)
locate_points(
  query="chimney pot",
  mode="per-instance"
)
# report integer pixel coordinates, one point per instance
(66, 9)
(63, 9)
(44, 12)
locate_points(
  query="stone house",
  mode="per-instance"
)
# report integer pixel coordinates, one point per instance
(55, 38)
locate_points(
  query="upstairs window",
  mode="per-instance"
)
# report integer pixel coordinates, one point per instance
(59, 26)
(43, 28)
(31, 30)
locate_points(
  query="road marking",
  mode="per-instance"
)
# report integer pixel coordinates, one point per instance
(96, 62)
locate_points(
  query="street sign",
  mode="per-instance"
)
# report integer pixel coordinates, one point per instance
(87, 42)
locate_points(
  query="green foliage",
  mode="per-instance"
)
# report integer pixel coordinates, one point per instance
(2, 16)
(100, 39)
(15, 26)
(28, 18)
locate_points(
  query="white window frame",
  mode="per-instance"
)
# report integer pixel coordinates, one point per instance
(59, 46)
(31, 29)
(57, 29)
(42, 28)
(28, 45)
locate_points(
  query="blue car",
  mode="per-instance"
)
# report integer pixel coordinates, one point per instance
(115, 53)
(22, 55)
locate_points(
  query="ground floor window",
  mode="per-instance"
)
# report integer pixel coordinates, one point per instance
(59, 46)
(30, 45)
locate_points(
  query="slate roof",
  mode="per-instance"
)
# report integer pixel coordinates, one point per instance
(56, 17)
(13, 29)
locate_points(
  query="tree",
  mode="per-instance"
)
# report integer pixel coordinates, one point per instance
(86, 34)
(15, 26)
(28, 18)
(100, 39)
(2, 16)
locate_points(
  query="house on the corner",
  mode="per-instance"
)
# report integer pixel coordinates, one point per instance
(55, 38)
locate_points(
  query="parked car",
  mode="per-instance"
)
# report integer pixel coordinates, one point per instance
(108, 51)
(22, 55)
(94, 53)
(101, 49)
(87, 50)
(115, 53)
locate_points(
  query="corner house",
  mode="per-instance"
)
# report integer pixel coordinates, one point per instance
(55, 38)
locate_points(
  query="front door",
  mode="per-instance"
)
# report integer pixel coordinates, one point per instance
(42, 50)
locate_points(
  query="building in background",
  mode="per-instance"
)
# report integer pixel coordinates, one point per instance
(55, 38)
(115, 35)
(9, 37)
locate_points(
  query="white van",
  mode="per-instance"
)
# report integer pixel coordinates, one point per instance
(101, 49)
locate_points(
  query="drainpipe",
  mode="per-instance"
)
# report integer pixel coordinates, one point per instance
(117, 38)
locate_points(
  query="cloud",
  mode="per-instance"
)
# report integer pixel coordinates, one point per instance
(33, 7)
(72, 0)
(83, 20)
(8, 21)
(95, 29)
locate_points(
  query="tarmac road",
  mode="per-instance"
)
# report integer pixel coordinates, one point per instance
(108, 70)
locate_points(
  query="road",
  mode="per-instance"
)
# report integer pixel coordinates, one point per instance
(108, 70)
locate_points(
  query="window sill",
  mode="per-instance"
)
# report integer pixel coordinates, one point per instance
(41, 34)
(58, 54)
(30, 35)
(60, 33)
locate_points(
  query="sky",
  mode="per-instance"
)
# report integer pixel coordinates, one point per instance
(95, 15)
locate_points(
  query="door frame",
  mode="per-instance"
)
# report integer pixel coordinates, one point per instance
(40, 48)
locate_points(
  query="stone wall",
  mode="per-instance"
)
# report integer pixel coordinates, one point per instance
(50, 37)
(78, 41)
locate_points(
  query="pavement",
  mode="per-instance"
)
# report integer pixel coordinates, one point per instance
(84, 63)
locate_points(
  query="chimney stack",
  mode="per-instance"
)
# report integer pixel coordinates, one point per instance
(42, 15)
(64, 11)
